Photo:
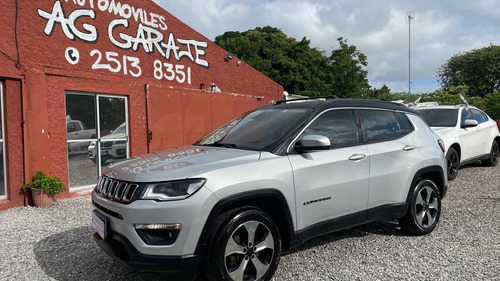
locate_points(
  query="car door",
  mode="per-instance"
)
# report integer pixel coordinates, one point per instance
(394, 156)
(474, 140)
(331, 183)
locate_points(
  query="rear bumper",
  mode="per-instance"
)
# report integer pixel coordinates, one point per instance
(118, 247)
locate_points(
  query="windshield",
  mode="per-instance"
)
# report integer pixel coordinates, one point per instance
(440, 117)
(255, 130)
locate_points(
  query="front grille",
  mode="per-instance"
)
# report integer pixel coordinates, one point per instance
(116, 190)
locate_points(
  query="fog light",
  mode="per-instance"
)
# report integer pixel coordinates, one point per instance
(158, 233)
(158, 226)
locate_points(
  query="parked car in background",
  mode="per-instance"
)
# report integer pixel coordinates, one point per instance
(268, 180)
(76, 130)
(113, 145)
(469, 135)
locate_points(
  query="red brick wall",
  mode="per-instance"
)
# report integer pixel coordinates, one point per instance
(58, 55)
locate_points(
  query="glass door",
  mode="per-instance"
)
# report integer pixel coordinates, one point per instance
(97, 135)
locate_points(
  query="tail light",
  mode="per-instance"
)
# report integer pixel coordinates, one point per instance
(441, 144)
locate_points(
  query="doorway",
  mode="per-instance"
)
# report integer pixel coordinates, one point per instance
(97, 135)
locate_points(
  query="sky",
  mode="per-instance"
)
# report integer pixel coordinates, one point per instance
(378, 28)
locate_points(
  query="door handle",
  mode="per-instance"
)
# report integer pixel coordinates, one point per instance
(357, 156)
(409, 147)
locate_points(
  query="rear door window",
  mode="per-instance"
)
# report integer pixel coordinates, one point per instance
(379, 125)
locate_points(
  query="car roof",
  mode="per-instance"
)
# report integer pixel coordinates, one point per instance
(321, 104)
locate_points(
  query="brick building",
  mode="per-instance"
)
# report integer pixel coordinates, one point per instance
(84, 83)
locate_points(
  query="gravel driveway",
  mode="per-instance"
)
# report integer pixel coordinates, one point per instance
(56, 243)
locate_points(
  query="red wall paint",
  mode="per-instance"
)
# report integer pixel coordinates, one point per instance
(13, 143)
(47, 72)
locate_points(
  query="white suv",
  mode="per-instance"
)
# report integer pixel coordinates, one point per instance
(268, 180)
(468, 133)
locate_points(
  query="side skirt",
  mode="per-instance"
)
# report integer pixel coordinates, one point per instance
(381, 213)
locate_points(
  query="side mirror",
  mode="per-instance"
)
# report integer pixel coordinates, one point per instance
(470, 123)
(312, 142)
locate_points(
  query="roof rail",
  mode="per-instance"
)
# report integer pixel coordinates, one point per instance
(309, 98)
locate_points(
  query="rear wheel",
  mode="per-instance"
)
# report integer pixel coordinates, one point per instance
(493, 158)
(424, 211)
(247, 247)
(453, 161)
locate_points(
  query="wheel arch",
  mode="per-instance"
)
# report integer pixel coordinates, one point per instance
(497, 139)
(271, 201)
(458, 149)
(434, 173)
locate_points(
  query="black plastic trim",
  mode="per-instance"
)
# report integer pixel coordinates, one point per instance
(255, 198)
(118, 247)
(106, 210)
(385, 212)
(431, 169)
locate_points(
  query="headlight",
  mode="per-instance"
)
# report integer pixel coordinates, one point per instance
(172, 190)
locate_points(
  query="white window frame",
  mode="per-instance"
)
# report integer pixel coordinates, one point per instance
(98, 132)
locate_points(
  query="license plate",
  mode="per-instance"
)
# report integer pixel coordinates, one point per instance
(99, 225)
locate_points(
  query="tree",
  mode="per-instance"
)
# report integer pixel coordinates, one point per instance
(349, 79)
(479, 70)
(300, 69)
(383, 93)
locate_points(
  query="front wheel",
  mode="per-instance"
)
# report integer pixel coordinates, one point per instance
(424, 210)
(493, 157)
(247, 247)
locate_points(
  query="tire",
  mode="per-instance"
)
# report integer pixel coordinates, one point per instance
(424, 210)
(493, 158)
(453, 163)
(233, 255)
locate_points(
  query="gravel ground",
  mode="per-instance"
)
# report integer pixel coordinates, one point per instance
(56, 243)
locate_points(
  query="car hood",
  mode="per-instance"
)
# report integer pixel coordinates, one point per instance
(178, 163)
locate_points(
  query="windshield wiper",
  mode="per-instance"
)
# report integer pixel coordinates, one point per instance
(222, 144)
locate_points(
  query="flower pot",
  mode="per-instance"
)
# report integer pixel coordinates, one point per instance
(41, 198)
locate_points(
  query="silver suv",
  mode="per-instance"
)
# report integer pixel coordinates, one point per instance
(268, 180)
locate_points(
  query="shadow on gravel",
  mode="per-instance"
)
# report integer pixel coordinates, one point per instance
(387, 228)
(73, 255)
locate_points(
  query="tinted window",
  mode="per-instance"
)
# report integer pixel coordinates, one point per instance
(256, 130)
(404, 124)
(379, 125)
(466, 114)
(338, 125)
(478, 116)
(440, 117)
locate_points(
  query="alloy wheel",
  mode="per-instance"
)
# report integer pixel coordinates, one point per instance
(426, 207)
(249, 251)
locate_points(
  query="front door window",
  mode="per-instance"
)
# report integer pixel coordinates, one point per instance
(97, 135)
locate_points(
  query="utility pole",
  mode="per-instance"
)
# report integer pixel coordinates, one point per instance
(410, 17)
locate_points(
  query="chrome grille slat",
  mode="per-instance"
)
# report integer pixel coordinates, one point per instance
(116, 190)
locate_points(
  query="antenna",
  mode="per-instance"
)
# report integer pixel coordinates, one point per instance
(410, 18)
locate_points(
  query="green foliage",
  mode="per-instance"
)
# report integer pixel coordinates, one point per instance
(349, 79)
(300, 69)
(479, 70)
(51, 185)
(492, 105)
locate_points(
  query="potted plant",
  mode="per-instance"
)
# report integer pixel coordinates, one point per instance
(43, 188)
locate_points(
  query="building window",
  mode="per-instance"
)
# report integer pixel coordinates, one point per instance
(97, 135)
(3, 184)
